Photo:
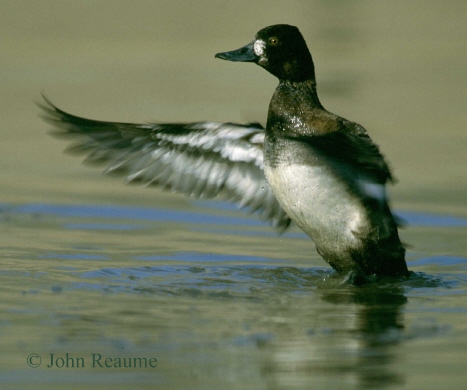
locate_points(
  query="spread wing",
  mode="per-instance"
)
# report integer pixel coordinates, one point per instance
(200, 160)
(353, 147)
(353, 155)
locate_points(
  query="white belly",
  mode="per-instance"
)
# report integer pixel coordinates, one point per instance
(319, 203)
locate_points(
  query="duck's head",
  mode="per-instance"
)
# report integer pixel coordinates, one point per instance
(281, 50)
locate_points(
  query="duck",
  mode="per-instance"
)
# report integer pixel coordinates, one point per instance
(308, 166)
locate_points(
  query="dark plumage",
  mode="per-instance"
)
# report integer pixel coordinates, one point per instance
(322, 171)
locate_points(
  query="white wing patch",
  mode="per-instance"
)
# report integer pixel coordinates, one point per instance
(201, 160)
(373, 190)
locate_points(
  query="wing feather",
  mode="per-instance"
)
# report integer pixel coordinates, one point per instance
(200, 160)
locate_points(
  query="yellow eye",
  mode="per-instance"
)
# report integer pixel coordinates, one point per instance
(273, 41)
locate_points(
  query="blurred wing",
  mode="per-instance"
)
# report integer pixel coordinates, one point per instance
(353, 154)
(350, 147)
(354, 150)
(200, 160)
(367, 154)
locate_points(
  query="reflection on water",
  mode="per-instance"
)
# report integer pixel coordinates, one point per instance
(281, 323)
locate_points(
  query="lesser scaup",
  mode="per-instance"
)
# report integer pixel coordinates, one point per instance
(308, 166)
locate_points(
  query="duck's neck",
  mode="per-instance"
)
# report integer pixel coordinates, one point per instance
(300, 89)
(294, 109)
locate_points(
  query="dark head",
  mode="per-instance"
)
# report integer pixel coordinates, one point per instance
(281, 50)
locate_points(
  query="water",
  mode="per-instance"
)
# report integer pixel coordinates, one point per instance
(202, 298)
(94, 270)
